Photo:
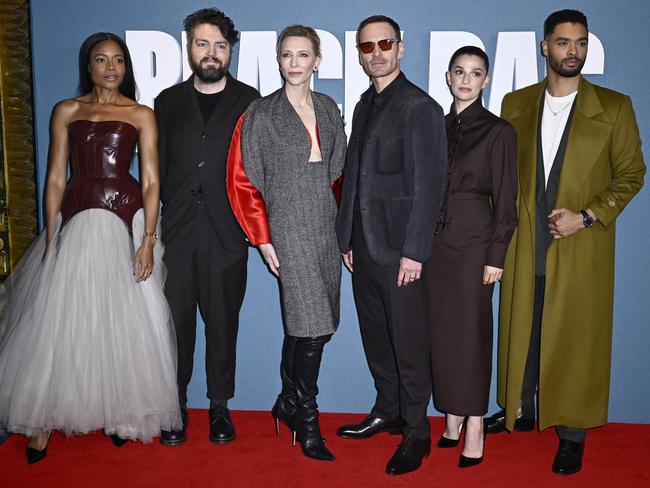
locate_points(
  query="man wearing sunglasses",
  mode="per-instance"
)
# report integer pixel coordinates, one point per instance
(392, 187)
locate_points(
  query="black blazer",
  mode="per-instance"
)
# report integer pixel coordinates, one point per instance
(400, 175)
(193, 153)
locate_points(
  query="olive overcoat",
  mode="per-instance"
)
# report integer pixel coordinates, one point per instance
(603, 169)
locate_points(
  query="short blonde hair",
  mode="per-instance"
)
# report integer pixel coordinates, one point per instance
(299, 30)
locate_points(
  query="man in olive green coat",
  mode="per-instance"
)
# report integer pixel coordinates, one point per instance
(580, 164)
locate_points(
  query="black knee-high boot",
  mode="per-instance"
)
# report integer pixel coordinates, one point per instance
(306, 365)
(284, 409)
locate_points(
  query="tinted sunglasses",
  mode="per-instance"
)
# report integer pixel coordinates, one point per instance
(384, 45)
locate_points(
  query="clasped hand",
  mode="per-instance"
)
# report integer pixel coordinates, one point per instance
(563, 223)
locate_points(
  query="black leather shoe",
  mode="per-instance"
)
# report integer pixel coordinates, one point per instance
(408, 456)
(568, 459)
(370, 426)
(172, 438)
(497, 423)
(222, 429)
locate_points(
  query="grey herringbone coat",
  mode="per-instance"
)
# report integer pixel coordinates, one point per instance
(300, 205)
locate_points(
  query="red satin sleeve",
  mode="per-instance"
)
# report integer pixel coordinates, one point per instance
(246, 200)
(337, 186)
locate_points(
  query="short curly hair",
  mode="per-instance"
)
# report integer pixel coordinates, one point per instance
(213, 17)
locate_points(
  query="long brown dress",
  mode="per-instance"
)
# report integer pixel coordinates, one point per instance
(476, 224)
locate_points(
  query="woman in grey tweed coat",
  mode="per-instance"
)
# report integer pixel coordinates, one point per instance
(290, 147)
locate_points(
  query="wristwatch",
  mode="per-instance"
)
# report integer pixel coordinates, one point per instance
(587, 220)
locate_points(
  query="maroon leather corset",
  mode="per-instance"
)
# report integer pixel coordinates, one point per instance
(101, 154)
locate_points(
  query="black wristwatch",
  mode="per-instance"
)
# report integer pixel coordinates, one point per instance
(587, 220)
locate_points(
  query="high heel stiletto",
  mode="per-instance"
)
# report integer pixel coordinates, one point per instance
(468, 462)
(34, 455)
(284, 409)
(446, 442)
(283, 412)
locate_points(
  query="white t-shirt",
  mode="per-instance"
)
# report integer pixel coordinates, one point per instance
(554, 119)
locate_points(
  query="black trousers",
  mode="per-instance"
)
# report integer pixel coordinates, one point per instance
(196, 276)
(395, 335)
(531, 372)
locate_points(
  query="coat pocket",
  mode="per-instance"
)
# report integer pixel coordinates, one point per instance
(390, 156)
(396, 215)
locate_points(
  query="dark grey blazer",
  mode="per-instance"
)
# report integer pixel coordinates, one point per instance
(399, 177)
(273, 130)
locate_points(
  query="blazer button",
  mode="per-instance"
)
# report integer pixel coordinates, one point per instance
(201, 164)
(204, 135)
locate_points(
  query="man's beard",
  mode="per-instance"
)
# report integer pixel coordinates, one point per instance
(210, 74)
(557, 67)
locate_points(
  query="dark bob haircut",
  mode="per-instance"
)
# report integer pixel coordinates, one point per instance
(128, 87)
(213, 17)
(561, 17)
(375, 19)
(470, 51)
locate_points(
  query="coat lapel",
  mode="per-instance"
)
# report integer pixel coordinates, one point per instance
(190, 101)
(326, 129)
(526, 125)
(587, 140)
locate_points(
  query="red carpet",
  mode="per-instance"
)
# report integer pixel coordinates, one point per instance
(617, 455)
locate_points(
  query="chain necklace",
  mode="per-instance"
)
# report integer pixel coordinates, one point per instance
(557, 112)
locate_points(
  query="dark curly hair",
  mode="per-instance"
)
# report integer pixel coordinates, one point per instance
(213, 17)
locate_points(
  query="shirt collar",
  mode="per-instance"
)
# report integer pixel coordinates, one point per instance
(380, 99)
(469, 115)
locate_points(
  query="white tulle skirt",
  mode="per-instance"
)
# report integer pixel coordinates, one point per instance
(84, 347)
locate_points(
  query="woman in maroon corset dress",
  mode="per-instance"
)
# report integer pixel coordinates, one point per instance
(87, 339)
(478, 219)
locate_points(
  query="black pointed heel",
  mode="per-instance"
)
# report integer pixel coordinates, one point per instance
(33, 456)
(446, 442)
(468, 462)
(118, 441)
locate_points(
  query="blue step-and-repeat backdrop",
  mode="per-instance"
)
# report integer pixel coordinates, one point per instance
(509, 31)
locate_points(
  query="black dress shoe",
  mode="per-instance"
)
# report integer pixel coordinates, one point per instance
(370, 426)
(408, 456)
(172, 438)
(568, 459)
(222, 429)
(497, 423)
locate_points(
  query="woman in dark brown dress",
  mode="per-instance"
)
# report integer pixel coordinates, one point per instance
(476, 223)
